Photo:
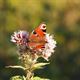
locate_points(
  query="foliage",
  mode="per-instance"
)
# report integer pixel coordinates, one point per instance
(23, 78)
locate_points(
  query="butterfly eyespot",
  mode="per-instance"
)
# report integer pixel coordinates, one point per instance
(43, 26)
(34, 32)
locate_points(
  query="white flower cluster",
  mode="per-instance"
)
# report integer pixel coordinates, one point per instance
(49, 47)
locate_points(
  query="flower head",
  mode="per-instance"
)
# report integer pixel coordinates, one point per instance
(49, 47)
(21, 39)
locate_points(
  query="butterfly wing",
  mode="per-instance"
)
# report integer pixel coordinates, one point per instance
(37, 38)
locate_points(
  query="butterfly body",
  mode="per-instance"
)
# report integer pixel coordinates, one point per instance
(37, 38)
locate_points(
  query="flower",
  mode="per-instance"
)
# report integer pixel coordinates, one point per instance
(21, 40)
(49, 47)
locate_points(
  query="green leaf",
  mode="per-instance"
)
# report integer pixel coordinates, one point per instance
(18, 78)
(16, 67)
(39, 65)
(38, 78)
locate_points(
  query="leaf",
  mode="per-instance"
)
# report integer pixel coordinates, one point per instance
(16, 67)
(38, 78)
(18, 78)
(39, 65)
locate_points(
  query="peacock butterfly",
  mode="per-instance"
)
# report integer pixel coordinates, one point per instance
(37, 38)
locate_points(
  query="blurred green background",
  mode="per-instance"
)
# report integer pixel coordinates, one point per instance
(63, 20)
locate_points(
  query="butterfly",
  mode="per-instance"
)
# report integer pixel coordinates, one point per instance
(37, 39)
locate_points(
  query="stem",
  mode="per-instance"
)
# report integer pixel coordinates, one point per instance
(29, 72)
(29, 75)
(28, 60)
(28, 63)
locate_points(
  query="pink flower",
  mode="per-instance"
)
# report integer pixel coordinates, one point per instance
(21, 39)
